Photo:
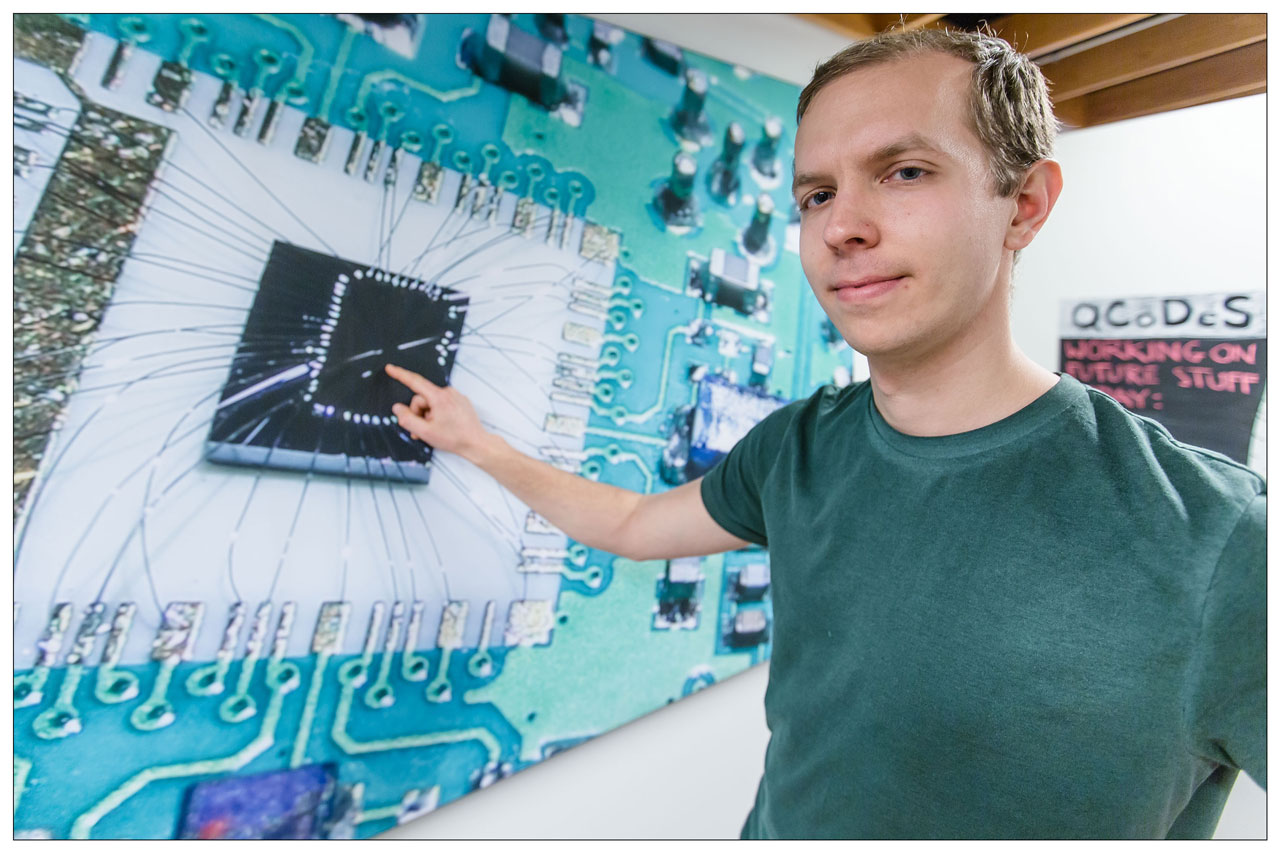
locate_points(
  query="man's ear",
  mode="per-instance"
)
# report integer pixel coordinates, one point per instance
(1035, 198)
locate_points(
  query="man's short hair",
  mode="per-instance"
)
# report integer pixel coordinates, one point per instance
(1009, 105)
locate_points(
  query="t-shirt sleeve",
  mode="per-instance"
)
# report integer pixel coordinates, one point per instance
(1228, 710)
(731, 491)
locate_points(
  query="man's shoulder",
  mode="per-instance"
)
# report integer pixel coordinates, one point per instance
(1138, 447)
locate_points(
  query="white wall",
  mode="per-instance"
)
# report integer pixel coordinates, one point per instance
(1166, 204)
(1171, 203)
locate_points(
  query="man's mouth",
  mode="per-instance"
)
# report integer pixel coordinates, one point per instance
(867, 287)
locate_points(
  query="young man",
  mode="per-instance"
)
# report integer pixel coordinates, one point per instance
(1004, 606)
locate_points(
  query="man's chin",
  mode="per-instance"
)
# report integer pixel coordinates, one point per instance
(864, 340)
(878, 347)
(874, 337)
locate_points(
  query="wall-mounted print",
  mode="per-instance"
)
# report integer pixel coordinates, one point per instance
(247, 604)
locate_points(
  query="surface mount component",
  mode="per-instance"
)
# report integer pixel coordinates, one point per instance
(750, 628)
(679, 593)
(755, 237)
(765, 156)
(397, 31)
(731, 281)
(282, 804)
(553, 27)
(689, 120)
(675, 201)
(516, 60)
(723, 414)
(761, 362)
(723, 180)
(705, 432)
(664, 55)
(752, 582)
(604, 39)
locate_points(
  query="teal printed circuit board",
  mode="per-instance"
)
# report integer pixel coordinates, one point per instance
(247, 605)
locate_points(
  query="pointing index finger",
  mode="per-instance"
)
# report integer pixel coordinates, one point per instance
(416, 383)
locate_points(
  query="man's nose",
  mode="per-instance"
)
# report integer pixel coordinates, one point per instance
(851, 222)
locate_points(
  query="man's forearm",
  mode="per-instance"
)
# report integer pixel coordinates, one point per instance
(595, 514)
(668, 524)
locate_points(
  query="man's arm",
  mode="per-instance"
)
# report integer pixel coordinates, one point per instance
(640, 527)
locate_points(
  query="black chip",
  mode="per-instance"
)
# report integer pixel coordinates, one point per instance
(279, 804)
(553, 27)
(307, 389)
(664, 54)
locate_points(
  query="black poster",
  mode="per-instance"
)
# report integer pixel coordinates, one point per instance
(1196, 364)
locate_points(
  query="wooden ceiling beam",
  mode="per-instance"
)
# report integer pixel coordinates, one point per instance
(865, 25)
(884, 20)
(855, 26)
(1038, 34)
(1188, 38)
(1115, 66)
(1233, 74)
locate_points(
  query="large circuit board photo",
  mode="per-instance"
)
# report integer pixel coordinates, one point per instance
(246, 603)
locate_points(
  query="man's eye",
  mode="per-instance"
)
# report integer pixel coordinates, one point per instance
(815, 199)
(910, 173)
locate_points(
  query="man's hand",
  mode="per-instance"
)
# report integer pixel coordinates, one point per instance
(439, 416)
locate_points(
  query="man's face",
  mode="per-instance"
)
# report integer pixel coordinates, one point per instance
(901, 234)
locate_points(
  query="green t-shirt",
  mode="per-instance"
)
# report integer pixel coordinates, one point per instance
(1053, 626)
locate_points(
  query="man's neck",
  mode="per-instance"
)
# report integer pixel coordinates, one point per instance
(949, 393)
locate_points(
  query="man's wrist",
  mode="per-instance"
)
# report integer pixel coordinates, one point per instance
(486, 450)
